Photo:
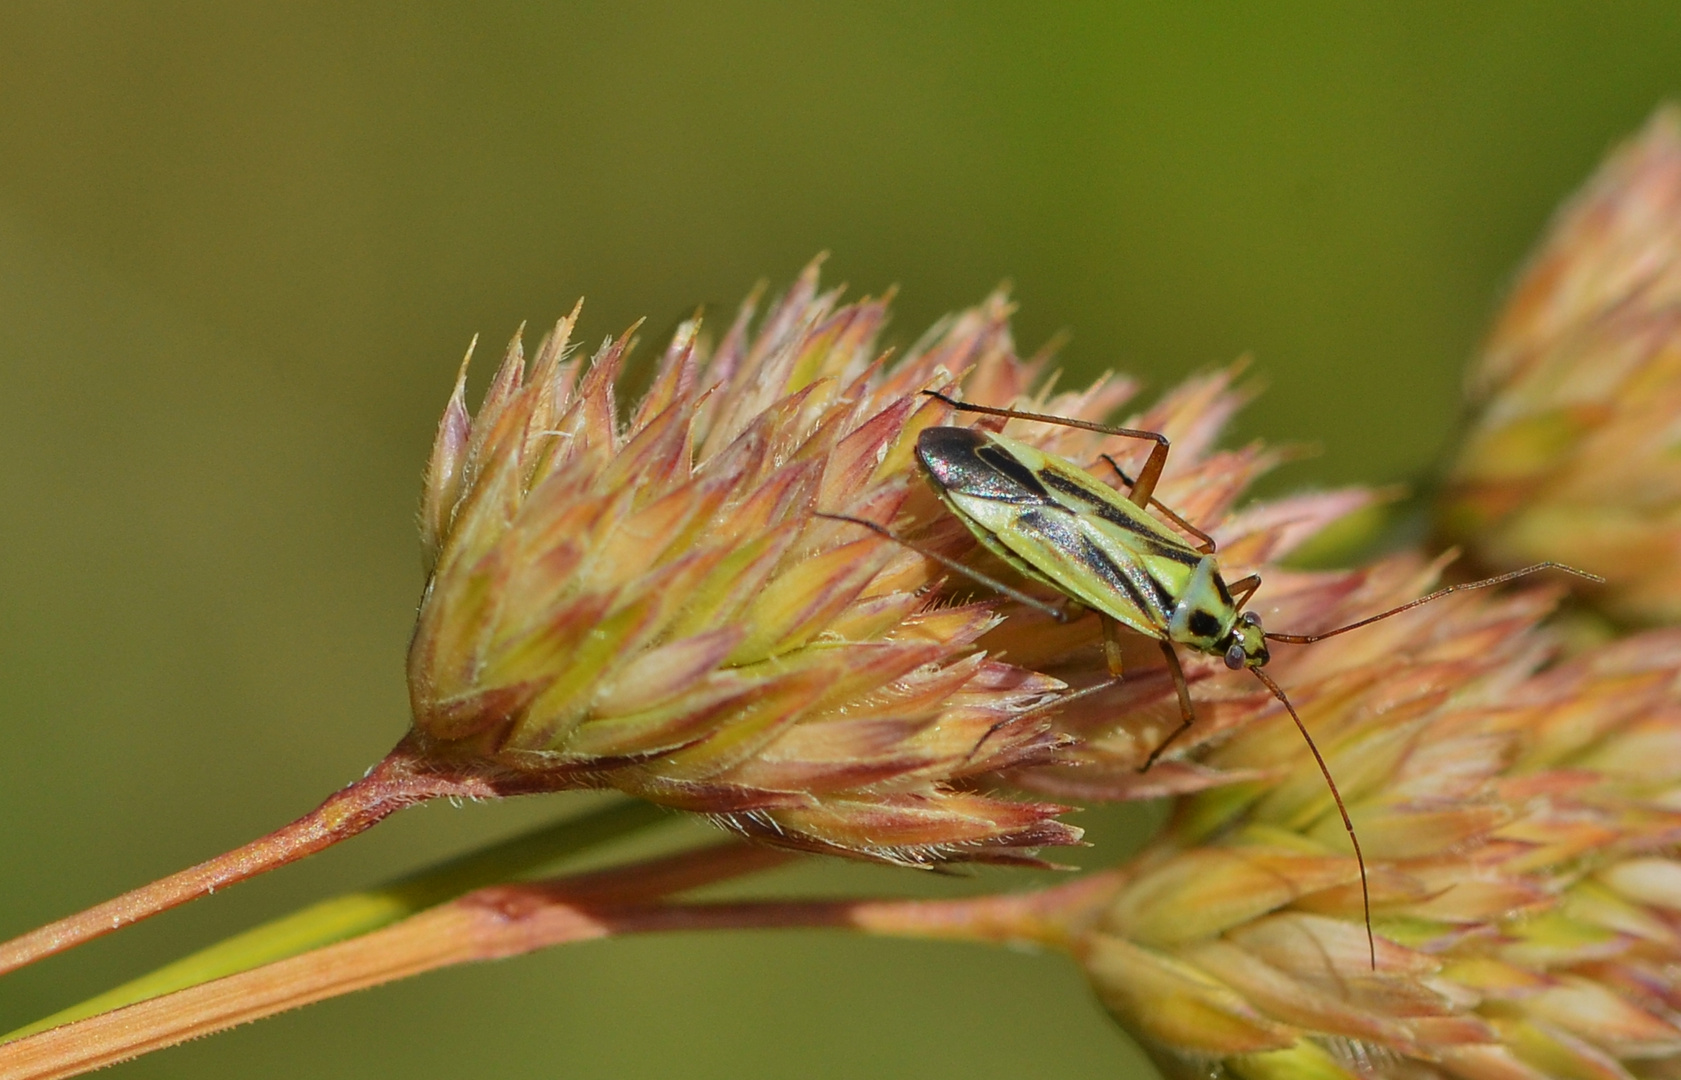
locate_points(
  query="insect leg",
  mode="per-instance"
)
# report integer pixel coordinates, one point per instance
(1111, 647)
(1207, 545)
(956, 567)
(1148, 477)
(1243, 588)
(1111, 657)
(1186, 714)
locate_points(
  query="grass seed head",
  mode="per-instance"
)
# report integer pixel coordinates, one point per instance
(1573, 451)
(1520, 815)
(647, 599)
(642, 597)
(1519, 823)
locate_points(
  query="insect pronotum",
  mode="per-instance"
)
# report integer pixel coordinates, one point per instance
(1057, 524)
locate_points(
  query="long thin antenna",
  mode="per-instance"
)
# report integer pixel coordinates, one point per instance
(956, 567)
(1501, 579)
(1365, 890)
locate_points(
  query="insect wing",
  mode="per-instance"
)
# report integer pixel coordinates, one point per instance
(1083, 539)
(1082, 493)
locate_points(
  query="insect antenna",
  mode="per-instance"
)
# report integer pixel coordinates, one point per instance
(955, 567)
(1347, 823)
(1499, 579)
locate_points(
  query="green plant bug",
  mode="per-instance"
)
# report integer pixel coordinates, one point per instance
(1059, 525)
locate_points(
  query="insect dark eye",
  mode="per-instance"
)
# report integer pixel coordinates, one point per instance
(1235, 657)
(1251, 618)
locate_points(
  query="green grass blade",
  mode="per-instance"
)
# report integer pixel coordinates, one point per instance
(358, 913)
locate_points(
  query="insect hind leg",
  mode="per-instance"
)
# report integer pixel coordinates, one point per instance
(1148, 477)
(1207, 544)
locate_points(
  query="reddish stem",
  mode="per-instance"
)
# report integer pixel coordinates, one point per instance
(500, 921)
(508, 920)
(403, 778)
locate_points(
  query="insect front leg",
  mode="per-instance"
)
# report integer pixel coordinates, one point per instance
(1243, 588)
(1112, 656)
(1186, 714)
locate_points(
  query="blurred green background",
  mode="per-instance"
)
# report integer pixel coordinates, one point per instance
(243, 246)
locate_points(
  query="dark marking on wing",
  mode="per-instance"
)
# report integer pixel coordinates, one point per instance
(1002, 460)
(1055, 479)
(1093, 503)
(1053, 526)
(1164, 599)
(965, 461)
(1056, 528)
(1184, 556)
(1114, 515)
(1098, 561)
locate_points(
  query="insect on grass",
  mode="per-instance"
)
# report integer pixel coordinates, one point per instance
(1057, 524)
